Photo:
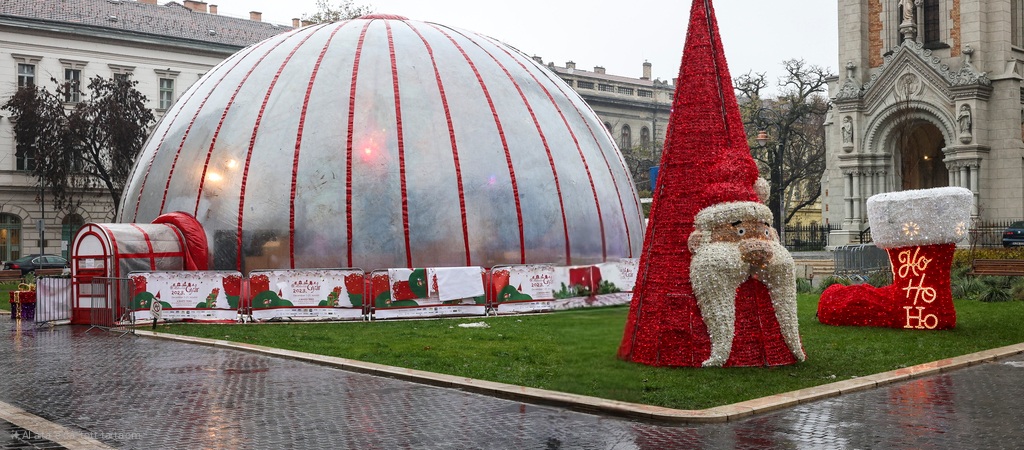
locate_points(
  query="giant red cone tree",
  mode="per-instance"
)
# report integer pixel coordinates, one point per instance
(706, 161)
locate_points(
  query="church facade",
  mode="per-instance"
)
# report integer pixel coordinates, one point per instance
(929, 95)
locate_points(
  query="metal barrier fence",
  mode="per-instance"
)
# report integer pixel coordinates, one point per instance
(988, 234)
(860, 259)
(53, 300)
(808, 237)
(111, 305)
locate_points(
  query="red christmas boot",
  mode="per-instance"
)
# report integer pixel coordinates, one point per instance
(919, 230)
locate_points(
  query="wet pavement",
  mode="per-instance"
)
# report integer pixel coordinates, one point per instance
(135, 393)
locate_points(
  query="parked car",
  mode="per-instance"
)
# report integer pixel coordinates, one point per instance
(1014, 234)
(30, 263)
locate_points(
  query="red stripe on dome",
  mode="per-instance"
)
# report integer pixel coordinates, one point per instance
(401, 145)
(255, 132)
(383, 16)
(220, 124)
(504, 143)
(455, 147)
(597, 142)
(180, 107)
(348, 145)
(298, 145)
(188, 129)
(149, 246)
(583, 159)
(547, 149)
(115, 253)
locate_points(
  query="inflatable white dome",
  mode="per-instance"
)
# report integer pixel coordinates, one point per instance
(383, 142)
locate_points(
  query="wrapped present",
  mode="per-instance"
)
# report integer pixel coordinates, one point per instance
(26, 296)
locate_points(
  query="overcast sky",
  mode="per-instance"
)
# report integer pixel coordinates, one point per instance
(758, 34)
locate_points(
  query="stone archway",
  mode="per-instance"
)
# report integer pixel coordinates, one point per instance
(919, 157)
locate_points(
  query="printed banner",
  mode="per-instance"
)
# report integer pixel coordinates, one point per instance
(619, 275)
(598, 285)
(521, 289)
(428, 292)
(335, 294)
(198, 296)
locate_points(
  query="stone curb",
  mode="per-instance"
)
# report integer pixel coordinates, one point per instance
(588, 404)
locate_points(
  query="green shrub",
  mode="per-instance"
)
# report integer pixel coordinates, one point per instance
(963, 256)
(966, 287)
(880, 278)
(804, 286)
(1017, 288)
(995, 289)
(830, 280)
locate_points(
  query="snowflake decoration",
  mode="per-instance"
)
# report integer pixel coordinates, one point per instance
(911, 229)
(961, 229)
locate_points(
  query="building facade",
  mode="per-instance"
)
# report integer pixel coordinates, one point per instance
(634, 110)
(929, 96)
(166, 48)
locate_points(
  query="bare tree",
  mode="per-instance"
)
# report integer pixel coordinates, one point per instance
(793, 158)
(91, 146)
(326, 12)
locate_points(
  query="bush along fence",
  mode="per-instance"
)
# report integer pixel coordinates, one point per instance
(352, 294)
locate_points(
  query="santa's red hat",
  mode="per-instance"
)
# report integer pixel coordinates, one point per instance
(706, 161)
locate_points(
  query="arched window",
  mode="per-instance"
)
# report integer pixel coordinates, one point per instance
(608, 127)
(69, 228)
(645, 138)
(10, 237)
(931, 26)
(1017, 22)
(626, 141)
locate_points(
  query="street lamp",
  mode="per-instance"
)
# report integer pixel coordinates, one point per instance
(763, 118)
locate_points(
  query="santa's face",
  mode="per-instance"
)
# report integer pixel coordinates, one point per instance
(726, 254)
(756, 240)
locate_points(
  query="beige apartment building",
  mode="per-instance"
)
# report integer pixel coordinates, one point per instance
(929, 95)
(634, 110)
(166, 48)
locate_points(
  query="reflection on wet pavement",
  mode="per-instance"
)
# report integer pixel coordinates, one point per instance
(140, 393)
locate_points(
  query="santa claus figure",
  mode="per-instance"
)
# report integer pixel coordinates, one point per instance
(732, 244)
(919, 230)
(714, 286)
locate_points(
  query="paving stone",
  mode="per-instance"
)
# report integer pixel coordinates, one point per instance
(136, 393)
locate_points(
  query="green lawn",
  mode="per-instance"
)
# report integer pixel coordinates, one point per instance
(574, 351)
(4, 296)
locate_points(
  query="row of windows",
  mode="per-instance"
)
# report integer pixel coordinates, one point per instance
(626, 136)
(580, 84)
(73, 78)
(10, 235)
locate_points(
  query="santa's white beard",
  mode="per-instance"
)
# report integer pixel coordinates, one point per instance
(717, 270)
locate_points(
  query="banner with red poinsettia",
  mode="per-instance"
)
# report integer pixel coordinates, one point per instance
(193, 296)
(428, 292)
(333, 294)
